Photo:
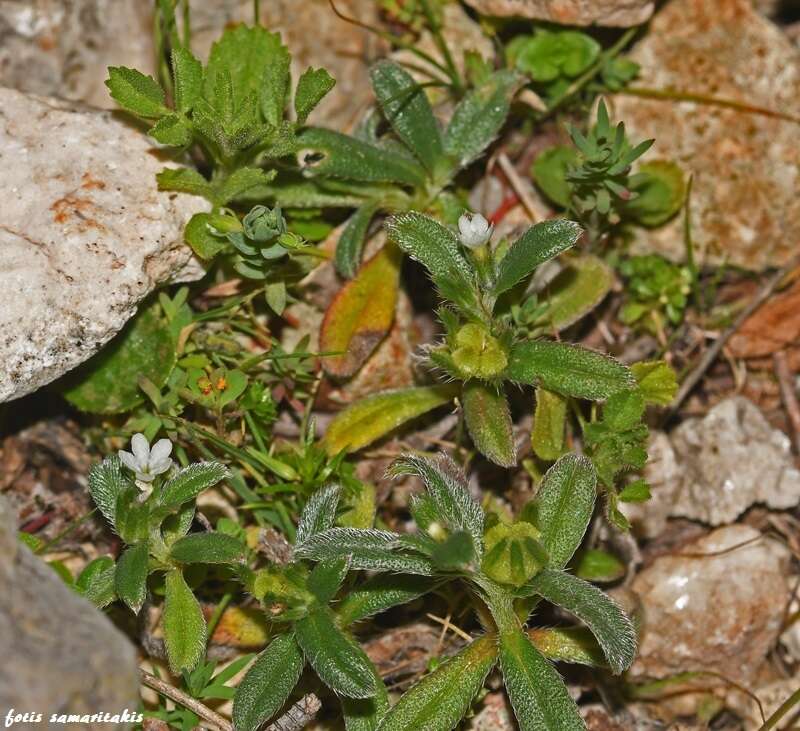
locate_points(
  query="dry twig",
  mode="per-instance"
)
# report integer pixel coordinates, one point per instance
(204, 712)
(788, 395)
(518, 186)
(299, 715)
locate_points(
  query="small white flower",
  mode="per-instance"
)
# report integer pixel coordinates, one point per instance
(145, 462)
(475, 230)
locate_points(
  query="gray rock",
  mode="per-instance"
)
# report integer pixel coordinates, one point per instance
(84, 234)
(571, 12)
(713, 469)
(61, 655)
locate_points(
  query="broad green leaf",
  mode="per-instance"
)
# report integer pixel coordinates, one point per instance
(191, 481)
(567, 369)
(184, 180)
(267, 684)
(188, 74)
(538, 244)
(448, 489)
(319, 513)
(549, 420)
(568, 644)
(479, 116)
(361, 314)
(348, 248)
(107, 481)
(438, 249)
(660, 196)
(549, 170)
(379, 593)
(564, 506)
(184, 624)
(372, 417)
(323, 152)
(240, 182)
(577, 289)
(408, 110)
(623, 410)
(136, 93)
(96, 581)
(538, 695)
(442, 698)
(339, 662)
(174, 130)
(657, 381)
(364, 714)
(599, 566)
(326, 578)
(208, 548)
(109, 382)
(608, 623)
(130, 579)
(312, 86)
(488, 419)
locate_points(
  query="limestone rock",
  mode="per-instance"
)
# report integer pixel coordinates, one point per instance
(62, 655)
(713, 469)
(717, 605)
(84, 234)
(746, 166)
(63, 47)
(618, 13)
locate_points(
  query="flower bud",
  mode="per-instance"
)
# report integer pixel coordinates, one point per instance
(474, 230)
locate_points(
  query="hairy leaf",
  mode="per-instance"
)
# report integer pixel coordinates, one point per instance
(199, 237)
(184, 624)
(348, 248)
(576, 291)
(379, 593)
(326, 578)
(96, 581)
(188, 74)
(372, 417)
(208, 548)
(242, 181)
(567, 369)
(312, 86)
(657, 381)
(488, 419)
(184, 180)
(364, 714)
(267, 684)
(568, 644)
(106, 483)
(608, 623)
(136, 93)
(339, 662)
(318, 514)
(191, 481)
(599, 566)
(549, 420)
(173, 129)
(130, 579)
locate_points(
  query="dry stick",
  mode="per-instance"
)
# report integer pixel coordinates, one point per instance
(204, 712)
(299, 715)
(788, 395)
(518, 186)
(711, 354)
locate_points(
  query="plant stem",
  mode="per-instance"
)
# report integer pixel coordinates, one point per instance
(783, 709)
(171, 692)
(218, 611)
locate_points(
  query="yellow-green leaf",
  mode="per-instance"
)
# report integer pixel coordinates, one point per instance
(549, 418)
(577, 290)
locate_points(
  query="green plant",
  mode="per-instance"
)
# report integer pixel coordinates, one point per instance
(150, 504)
(509, 568)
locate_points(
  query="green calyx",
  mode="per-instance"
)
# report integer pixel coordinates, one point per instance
(513, 553)
(478, 354)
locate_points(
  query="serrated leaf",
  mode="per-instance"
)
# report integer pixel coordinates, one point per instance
(108, 383)
(107, 481)
(312, 86)
(408, 110)
(318, 514)
(136, 93)
(539, 696)
(267, 684)
(207, 548)
(599, 566)
(488, 419)
(130, 578)
(637, 491)
(580, 287)
(323, 152)
(96, 581)
(361, 314)
(567, 369)
(442, 698)
(372, 417)
(191, 481)
(351, 242)
(198, 235)
(184, 180)
(448, 489)
(326, 578)
(623, 410)
(608, 623)
(338, 661)
(188, 74)
(240, 182)
(379, 593)
(184, 624)
(564, 506)
(173, 130)
(479, 116)
(538, 244)
(657, 381)
(549, 421)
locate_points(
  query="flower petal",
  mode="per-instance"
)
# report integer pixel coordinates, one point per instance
(160, 451)
(158, 468)
(128, 460)
(145, 477)
(140, 448)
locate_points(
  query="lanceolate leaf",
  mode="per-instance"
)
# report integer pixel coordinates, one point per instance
(538, 244)
(106, 483)
(540, 699)
(326, 578)
(208, 548)
(440, 700)
(340, 663)
(549, 420)
(568, 644)
(405, 105)
(364, 714)
(576, 291)
(191, 481)
(609, 624)
(564, 506)
(379, 593)
(267, 684)
(567, 369)
(375, 416)
(488, 419)
(184, 624)
(318, 514)
(348, 248)
(130, 579)
(361, 313)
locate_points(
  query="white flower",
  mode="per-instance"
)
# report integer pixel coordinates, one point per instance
(145, 462)
(475, 230)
